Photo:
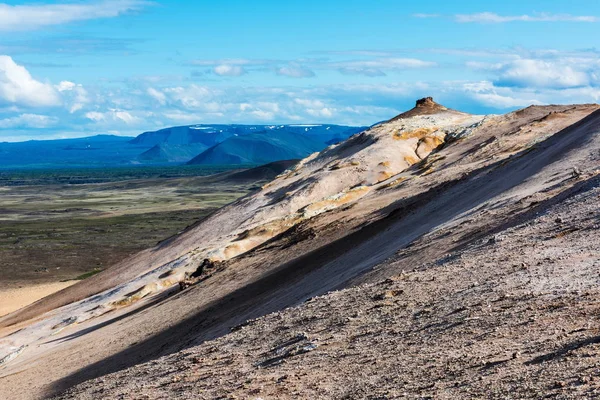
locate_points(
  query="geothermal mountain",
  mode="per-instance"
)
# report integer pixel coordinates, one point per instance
(438, 254)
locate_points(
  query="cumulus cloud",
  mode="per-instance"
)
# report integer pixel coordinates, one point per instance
(28, 121)
(361, 71)
(370, 64)
(182, 117)
(488, 94)
(75, 95)
(157, 95)
(535, 73)
(295, 71)
(113, 115)
(229, 70)
(65, 86)
(315, 108)
(192, 97)
(30, 17)
(17, 86)
(377, 66)
(489, 17)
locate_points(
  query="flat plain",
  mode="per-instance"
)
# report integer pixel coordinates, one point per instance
(60, 226)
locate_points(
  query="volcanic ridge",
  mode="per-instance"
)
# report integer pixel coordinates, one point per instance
(435, 255)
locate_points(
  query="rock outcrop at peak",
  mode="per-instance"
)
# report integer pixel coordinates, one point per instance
(424, 106)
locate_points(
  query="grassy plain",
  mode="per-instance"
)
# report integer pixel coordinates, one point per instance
(62, 225)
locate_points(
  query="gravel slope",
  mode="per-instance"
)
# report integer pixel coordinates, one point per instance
(512, 315)
(358, 213)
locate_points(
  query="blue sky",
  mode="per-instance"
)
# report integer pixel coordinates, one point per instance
(70, 69)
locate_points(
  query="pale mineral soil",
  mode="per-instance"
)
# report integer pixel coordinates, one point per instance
(14, 298)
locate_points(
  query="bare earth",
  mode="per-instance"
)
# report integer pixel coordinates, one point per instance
(464, 252)
(18, 297)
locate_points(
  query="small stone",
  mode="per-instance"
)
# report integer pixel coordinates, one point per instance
(584, 379)
(516, 355)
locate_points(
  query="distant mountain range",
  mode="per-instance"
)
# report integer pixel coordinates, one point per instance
(259, 148)
(196, 144)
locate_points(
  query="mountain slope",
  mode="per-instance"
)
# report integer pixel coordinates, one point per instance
(452, 328)
(259, 148)
(263, 172)
(209, 135)
(184, 135)
(100, 150)
(412, 194)
(167, 153)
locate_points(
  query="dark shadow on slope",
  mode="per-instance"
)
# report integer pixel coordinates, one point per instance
(328, 267)
(152, 302)
(534, 210)
(564, 350)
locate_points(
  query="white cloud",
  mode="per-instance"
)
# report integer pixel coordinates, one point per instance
(321, 113)
(113, 115)
(75, 94)
(536, 73)
(157, 95)
(310, 103)
(489, 17)
(228, 61)
(377, 66)
(361, 71)
(182, 117)
(294, 71)
(263, 115)
(426, 15)
(28, 121)
(315, 108)
(30, 17)
(486, 93)
(554, 73)
(95, 116)
(190, 97)
(65, 86)
(229, 70)
(18, 87)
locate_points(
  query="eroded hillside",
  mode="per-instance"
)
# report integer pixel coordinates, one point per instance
(428, 192)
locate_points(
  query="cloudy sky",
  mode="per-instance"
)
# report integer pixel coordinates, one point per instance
(79, 68)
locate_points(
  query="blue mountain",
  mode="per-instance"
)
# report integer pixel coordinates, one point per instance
(178, 144)
(259, 148)
(101, 150)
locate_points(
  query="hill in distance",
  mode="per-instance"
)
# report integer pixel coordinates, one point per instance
(174, 145)
(171, 153)
(259, 148)
(100, 150)
(209, 135)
